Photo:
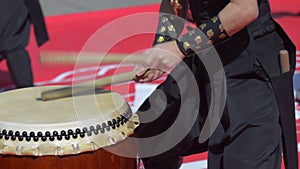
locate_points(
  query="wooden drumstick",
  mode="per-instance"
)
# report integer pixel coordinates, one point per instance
(58, 57)
(284, 61)
(90, 85)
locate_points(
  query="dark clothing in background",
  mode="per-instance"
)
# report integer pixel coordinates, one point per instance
(16, 16)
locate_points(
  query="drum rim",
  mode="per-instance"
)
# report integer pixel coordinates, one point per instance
(24, 140)
(13, 135)
(11, 145)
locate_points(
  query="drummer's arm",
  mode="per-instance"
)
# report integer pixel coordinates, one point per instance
(170, 26)
(236, 15)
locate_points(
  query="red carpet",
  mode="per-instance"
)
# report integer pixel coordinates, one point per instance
(71, 32)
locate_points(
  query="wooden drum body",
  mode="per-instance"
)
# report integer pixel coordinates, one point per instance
(68, 133)
(99, 159)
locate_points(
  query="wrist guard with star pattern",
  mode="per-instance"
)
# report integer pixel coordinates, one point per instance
(206, 34)
(169, 28)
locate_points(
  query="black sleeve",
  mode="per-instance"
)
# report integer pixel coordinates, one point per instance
(37, 19)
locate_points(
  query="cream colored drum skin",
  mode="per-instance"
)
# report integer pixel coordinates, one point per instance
(30, 126)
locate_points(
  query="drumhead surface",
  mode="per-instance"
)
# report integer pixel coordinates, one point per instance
(64, 126)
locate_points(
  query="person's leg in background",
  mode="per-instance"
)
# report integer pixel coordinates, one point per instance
(19, 65)
(18, 59)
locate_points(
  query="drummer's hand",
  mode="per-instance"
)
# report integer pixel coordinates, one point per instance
(151, 76)
(163, 56)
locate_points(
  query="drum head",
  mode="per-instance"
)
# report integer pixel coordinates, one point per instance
(30, 126)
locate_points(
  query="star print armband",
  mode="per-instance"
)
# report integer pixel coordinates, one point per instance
(208, 33)
(169, 28)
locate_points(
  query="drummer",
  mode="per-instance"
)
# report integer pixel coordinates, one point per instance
(259, 100)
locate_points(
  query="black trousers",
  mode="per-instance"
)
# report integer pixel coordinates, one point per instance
(166, 105)
(251, 137)
(248, 135)
(19, 65)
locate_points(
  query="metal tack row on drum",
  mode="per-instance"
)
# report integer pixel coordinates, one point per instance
(79, 126)
(66, 134)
